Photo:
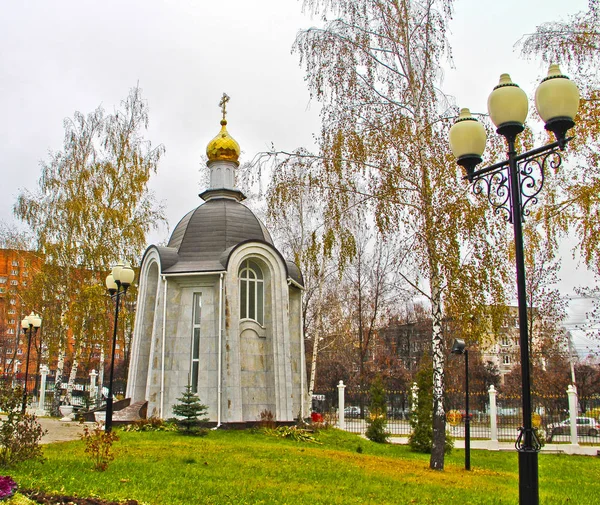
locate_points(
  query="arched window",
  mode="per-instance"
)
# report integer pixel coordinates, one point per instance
(251, 292)
(196, 325)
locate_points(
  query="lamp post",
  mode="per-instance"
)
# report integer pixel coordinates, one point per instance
(31, 322)
(510, 186)
(117, 283)
(458, 347)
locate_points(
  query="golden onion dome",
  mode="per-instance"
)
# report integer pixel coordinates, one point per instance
(223, 147)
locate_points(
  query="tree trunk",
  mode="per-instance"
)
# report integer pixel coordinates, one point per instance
(58, 380)
(313, 368)
(100, 378)
(72, 376)
(438, 346)
(315, 353)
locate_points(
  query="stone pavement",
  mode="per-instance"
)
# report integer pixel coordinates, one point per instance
(60, 431)
(583, 450)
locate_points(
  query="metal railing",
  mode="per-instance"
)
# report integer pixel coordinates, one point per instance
(550, 418)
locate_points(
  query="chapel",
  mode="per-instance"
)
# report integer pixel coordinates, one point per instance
(219, 308)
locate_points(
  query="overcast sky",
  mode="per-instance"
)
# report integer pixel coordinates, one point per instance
(60, 56)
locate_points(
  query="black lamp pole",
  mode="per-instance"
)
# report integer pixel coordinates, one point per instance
(515, 177)
(458, 347)
(117, 283)
(468, 415)
(31, 323)
(24, 405)
(527, 443)
(109, 399)
(510, 186)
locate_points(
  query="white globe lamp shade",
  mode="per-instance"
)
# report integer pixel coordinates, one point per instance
(508, 106)
(467, 140)
(116, 272)
(111, 285)
(127, 275)
(557, 101)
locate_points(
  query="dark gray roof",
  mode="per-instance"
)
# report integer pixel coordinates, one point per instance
(294, 272)
(205, 232)
(203, 240)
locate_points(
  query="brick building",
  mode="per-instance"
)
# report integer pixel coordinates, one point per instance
(16, 271)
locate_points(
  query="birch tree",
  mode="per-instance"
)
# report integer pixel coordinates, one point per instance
(374, 65)
(573, 202)
(92, 206)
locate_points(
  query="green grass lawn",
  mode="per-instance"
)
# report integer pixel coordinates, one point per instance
(238, 467)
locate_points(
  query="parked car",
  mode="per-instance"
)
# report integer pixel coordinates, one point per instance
(585, 426)
(397, 413)
(353, 411)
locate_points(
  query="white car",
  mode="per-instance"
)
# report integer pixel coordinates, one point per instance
(585, 426)
(353, 411)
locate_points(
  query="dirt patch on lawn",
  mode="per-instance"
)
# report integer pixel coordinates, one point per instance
(39, 497)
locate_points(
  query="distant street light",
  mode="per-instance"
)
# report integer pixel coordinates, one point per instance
(31, 322)
(510, 186)
(116, 283)
(458, 347)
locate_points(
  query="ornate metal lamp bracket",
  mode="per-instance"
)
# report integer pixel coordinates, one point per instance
(493, 181)
(535, 442)
(495, 186)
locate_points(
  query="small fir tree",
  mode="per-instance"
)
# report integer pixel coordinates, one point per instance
(190, 408)
(421, 420)
(377, 420)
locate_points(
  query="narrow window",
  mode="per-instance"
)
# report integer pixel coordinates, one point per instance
(251, 292)
(197, 318)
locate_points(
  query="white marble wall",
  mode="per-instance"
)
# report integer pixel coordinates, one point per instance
(261, 365)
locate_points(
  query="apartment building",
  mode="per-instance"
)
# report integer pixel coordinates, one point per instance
(16, 271)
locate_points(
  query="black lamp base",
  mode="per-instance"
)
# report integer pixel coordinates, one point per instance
(511, 129)
(560, 126)
(469, 162)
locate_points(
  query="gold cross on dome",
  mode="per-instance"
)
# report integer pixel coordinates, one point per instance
(223, 103)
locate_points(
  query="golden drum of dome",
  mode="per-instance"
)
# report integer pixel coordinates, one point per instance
(223, 147)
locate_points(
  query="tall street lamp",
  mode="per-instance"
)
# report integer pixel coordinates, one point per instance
(510, 186)
(458, 347)
(31, 322)
(117, 283)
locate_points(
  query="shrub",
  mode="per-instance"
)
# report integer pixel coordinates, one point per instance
(293, 432)
(377, 422)
(421, 420)
(20, 434)
(150, 424)
(595, 413)
(190, 408)
(98, 445)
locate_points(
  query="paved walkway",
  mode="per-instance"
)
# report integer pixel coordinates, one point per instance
(60, 431)
(584, 450)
